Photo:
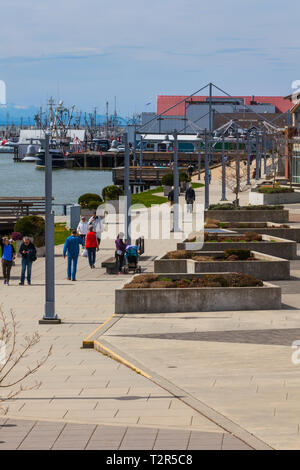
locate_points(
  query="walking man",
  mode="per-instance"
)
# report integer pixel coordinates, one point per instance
(190, 198)
(28, 252)
(82, 228)
(8, 256)
(71, 248)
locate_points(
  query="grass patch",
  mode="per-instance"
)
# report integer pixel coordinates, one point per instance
(149, 198)
(60, 233)
(197, 185)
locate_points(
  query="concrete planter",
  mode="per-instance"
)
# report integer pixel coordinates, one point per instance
(199, 299)
(269, 228)
(280, 216)
(280, 247)
(275, 198)
(266, 268)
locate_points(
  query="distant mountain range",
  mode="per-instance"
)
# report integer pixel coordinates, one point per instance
(17, 115)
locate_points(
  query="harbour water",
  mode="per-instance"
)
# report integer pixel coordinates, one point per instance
(23, 179)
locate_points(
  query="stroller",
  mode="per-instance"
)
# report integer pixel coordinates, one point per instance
(132, 258)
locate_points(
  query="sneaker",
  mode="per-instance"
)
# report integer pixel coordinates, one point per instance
(94, 266)
(21, 283)
(4, 282)
(73, 280)
(69, 279)
(7, 283)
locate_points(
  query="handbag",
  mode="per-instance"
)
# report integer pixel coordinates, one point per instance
(84, 253)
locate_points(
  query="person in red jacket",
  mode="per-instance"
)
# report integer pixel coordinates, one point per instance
(91, 245)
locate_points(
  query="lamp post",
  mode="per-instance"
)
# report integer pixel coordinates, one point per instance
(223, 171)
(206, 177)
(248, 148)
(134, 145)
(49, 317)
(198, 142)
(127, 190)
(237, 162)
(257, 157)
(176, 185)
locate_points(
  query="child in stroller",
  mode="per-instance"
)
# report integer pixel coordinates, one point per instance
(131, 259)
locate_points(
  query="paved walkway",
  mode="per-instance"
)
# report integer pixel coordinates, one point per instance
(86, 399)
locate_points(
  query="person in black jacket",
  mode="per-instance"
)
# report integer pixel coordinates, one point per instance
(28, 252)
(190, 198)
(7, 258)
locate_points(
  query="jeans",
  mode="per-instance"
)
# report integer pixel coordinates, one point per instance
(26, 263)
(120, 261)
(91, 256)
(72, 260)
(6, 267)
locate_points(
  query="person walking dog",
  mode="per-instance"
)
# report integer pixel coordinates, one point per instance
(28, 252)
(71, 248)
(8, 256)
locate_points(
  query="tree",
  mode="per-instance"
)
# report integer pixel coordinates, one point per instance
(13, 377)
(231, 180)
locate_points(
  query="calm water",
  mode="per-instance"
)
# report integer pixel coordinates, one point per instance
(23, 179)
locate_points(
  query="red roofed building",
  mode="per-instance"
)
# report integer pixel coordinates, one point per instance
(165, 102)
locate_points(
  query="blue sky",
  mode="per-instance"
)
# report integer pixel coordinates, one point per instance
(89, 51)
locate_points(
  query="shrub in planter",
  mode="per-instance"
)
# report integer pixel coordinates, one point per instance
(167, 180)
(228, 206)
(84, 199)
(274, 190)
(112, 192)
(32, 226)
(241, 255)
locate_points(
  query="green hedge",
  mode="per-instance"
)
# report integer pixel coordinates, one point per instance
(167, 180)
(274, 190)
(112, 192)
(32, 226)
(232, 207)
(85, 199)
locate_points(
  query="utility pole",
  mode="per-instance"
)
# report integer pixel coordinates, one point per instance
(206, 177)
(248, 148)
(49, 317)
(237, 168)
(176, 185)
(257, 157)
(127, 190)
(198, 140)
(223, 171)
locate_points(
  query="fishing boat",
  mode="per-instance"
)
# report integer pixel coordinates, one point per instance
(57, 157)
(31, 154)
(6, 147)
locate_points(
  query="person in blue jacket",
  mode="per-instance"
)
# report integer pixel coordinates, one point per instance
(71, 249)
(8, 256)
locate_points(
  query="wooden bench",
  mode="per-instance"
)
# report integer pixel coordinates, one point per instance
(111, 265)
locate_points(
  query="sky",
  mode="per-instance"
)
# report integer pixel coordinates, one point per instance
(89, 51)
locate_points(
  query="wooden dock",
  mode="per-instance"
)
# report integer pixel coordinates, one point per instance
(14, 208)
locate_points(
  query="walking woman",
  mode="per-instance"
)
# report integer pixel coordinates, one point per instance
(8, 256)
(120, 251)
(91, 244)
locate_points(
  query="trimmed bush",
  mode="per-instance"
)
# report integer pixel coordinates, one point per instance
(208, 280)
(167, 180)
(274, 190)
(232, 207)
(86, 198)
(112, 192)
(32, 226)
(93, 205)
(241, 255)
